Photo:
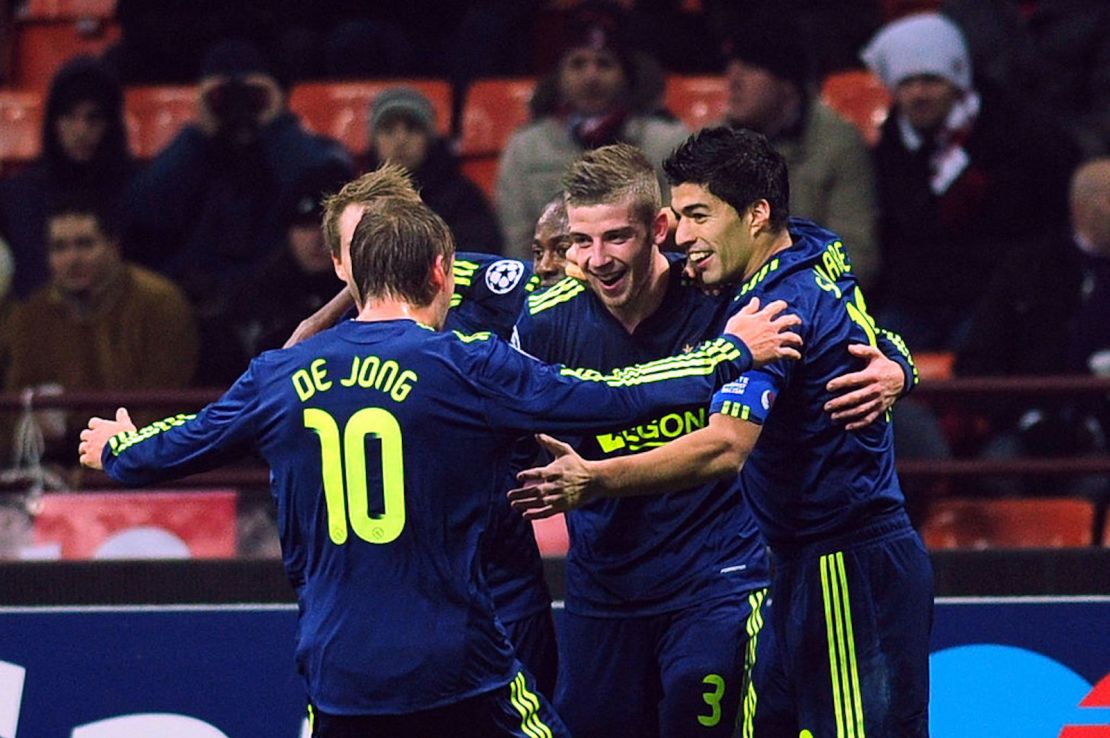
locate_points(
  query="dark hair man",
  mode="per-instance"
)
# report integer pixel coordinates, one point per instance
(851, 578)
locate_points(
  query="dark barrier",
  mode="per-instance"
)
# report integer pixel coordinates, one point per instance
(1077, 571)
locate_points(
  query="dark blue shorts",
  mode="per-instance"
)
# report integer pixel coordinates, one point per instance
(674, 675)
(533, 640)
(516, 710)
(847, 653)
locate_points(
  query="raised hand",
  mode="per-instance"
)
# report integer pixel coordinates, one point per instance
(96, 435)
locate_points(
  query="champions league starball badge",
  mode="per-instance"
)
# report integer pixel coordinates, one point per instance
(502, 276)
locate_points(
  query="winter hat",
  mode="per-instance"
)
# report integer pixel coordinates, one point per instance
(925, 43)
(403, 101)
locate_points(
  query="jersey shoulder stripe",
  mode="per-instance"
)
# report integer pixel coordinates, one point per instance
(473, 337)
(699, 362)
(560, 292)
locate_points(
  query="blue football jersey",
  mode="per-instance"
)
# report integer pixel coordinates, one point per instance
(387, 444)
(489, 295)
(645, 555)
(808, 479)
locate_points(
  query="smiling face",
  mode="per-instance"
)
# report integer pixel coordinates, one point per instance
(615, 251)
(719, 242)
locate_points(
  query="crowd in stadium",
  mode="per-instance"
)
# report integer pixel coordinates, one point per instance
(976, 220)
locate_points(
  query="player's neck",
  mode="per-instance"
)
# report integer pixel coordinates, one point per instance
(391, 309)
(765, 248)
(647, 301)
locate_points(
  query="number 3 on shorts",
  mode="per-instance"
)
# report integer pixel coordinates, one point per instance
(713, 699)
(344, 473)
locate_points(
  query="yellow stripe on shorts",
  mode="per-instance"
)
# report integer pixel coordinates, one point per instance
(843, 672)
(528, 705)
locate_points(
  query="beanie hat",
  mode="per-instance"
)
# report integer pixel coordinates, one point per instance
(924, 43)
(403, 101)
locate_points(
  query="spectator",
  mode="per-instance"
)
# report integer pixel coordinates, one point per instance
(771, 90)
(550, 242)
(1045, 312)
(100, 322)
(403, 130)
(211, 200)
(593, 110)
(293, 283)
(84, 151)
(962, 174)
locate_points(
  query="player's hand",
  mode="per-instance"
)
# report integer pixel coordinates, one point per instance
(95, 437)
(765, 332)
(564, 484)
(865, 395)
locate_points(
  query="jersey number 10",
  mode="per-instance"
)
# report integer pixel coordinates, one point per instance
(344, 472)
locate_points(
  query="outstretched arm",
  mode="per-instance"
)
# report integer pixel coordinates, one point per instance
(714, 452)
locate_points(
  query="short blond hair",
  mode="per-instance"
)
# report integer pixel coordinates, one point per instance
(387, 181)
(613, 174)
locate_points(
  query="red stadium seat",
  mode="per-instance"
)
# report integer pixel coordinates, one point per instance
(493, 109)
(20, 126)
(934, 365)
(342, 109)
(155, 114)
(68, 9)
(697, 101)
(551, 536)
(1106, 531)
(41, 47)
(1009, 523)
(859, 97)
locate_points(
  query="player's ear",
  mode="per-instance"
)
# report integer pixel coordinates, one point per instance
(761, 216)
(662, 227)
(340, 270)
(441, 269)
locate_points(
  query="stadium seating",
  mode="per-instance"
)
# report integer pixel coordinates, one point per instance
(934, 365)
(155, 114)
(697, 101)
(493, 109)
(48, 32)
(1009, 523)
(860, 97)
(20, 126)
(342, 109)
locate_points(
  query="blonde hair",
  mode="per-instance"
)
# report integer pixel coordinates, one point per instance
(387, 181)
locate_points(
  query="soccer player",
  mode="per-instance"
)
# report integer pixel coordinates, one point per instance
(387, 441)
(489, 295)
(851, 581)
(550, 242)
(663, 595)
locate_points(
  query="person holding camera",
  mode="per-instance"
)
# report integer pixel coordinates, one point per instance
(206, 211)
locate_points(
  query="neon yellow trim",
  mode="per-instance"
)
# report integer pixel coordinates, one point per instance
(528, 705)
(472, 337)
(557, 294)
(698, 363)
(752, 626)
(853, 668)
(123, 441)
(456, 300)
(834, 668)
(532, 284)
